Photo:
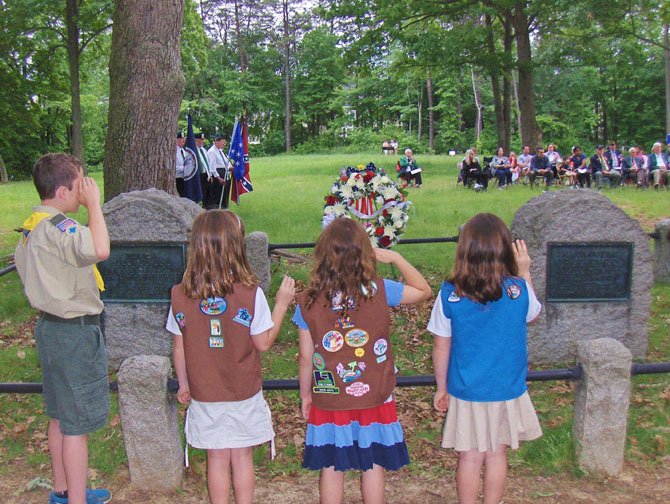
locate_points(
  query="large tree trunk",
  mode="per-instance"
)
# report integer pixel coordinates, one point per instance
(507, 85)
(419, 125)
(431, 114)
(146, 86)
(666, 56)
(530, 133)
(240, 42)
(494, 71)
(72, 22)
(287, 77)
(3, 171)
(478, 104)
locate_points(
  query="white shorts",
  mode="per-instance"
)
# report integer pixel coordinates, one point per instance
(234, 424)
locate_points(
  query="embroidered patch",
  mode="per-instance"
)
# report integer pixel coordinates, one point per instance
(357, 389)
(67, 226)
(353, 370)
(344, 322)
(359, 352)
(213, 306)
(513, 291)
(215, 342)
(318, 361)
(243, 317)
(381, 359)
(380, 347)
(453, 297)
(332, 341)
(324, 383)
(181, 319)
(337, 303)
(356, 338)
(215, 327)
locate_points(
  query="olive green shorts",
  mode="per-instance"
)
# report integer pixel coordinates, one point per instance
(74, 373)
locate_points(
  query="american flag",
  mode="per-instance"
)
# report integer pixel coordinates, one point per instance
(239, 156)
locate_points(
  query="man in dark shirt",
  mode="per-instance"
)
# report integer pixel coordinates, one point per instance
(540, 165)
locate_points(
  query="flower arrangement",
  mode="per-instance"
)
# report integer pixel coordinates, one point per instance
(371, 196)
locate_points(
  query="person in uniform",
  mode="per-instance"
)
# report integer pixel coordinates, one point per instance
(208, 176)
(180, 158)
(218, 160)
(55, 259)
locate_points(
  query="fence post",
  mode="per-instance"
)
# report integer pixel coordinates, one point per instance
(259, 259)
(662, 252)
(149, 420)
(601, 405)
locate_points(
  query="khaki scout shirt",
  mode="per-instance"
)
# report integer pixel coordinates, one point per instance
(55, 267)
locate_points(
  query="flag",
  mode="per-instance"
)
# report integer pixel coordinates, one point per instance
(192, 188)
(239, 156)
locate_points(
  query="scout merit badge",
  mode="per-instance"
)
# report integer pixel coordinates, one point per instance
(215, 337)
(513, 291)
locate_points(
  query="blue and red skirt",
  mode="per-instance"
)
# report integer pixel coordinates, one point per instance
(355, 439)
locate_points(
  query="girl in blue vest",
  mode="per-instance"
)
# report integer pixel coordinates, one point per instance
(221, 322)
(480, 358)
(346, 367)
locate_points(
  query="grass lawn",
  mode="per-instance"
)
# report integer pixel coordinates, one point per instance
(287, 203)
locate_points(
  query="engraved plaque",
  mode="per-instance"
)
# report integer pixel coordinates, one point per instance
(142, 272)
(589, 272)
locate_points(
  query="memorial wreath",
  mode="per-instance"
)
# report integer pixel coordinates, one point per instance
(373, 198)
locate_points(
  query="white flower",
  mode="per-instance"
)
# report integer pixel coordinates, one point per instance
(389, 193)
(347, 191)
(397, 213)
(351, 181)
(379, 200)
(328, 210)
(339, 209)
(399, 224)
(389, 231)
(385, 180)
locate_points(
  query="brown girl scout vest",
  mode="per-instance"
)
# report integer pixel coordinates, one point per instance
(352, 366)
(221, 361)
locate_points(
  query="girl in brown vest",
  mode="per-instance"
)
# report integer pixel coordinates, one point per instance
(346, 368)
(221, 322)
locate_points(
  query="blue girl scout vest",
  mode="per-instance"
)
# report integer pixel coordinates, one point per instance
(221, 361)
(352, 366)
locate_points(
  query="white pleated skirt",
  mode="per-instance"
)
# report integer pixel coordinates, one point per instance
(237, 424)
(483, 426)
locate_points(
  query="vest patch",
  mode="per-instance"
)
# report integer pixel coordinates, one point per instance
(332, 341)
(513, 291)
(453, 298)
(380, 346)
(213, 306)
(344, 322)
(352, 372)
(215, 342)
(67, 226)
(181, 319)
(215, 327)
(243, 317)
(359, 352)
(357, 389)
(324, 383)
(356, 338)
(318, 361)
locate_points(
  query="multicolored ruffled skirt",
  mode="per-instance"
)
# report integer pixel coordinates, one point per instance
(355, 439)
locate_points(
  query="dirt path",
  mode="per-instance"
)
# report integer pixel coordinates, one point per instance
(635, 485)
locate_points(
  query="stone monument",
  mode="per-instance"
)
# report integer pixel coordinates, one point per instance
(592, 272)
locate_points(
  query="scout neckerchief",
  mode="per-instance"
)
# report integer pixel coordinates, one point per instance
(202, 154)
(32, 221)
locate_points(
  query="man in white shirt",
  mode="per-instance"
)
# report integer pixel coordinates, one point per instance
(208, 176)
(180, 158)
(523, 162)
(218, 161)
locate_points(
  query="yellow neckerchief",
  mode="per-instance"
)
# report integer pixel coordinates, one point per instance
(37, 217)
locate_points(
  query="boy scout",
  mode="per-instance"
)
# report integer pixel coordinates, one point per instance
(55, 259)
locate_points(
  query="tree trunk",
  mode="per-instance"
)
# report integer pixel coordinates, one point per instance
(240, 42)
(146, 86)
(431, 114)
(494, 71)
(478, 104)
(287, 77)
(666, 56)
(3, 171)
(507, 84)
(419, 124)
(72, 22)
(530, 133)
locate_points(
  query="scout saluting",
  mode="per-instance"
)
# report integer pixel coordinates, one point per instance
(346, 372)
(221, 322)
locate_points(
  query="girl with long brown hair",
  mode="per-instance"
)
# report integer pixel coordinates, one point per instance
(479, 356)
(221, 322)
(346, 370)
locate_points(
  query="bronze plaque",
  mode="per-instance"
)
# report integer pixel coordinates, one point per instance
(589, 272)
(142, 272)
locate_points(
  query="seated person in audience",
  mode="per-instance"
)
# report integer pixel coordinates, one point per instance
(630, 166)
(472, 170)
(411, 169)
(614, 165)
(500, 167)
(598, 166)
(386, 148)
(643, 172)
(514, 167)
(578, 160)
(658, 166)
(554, 158)
(539, 166)
(524, 161)
(567, 171)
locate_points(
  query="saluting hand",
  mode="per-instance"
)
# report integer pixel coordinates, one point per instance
(89, 192)
(522, 258)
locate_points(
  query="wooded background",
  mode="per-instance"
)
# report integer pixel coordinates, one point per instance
(314, 76)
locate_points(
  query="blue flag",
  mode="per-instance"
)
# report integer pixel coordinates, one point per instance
(239, 156)
(192, 188)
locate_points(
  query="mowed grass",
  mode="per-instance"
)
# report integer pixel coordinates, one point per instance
(286, 204)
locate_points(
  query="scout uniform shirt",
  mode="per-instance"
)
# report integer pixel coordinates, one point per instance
(55, 262)
(222, 362)
(352, 362)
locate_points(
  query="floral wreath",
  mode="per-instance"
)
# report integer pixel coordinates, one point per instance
(372, 197)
